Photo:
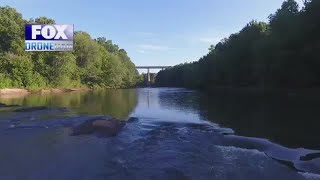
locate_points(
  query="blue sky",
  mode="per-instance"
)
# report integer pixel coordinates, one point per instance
(154, 32)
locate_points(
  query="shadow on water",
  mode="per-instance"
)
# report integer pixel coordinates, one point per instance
(285, 119)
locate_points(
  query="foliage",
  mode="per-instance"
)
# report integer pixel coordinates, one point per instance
(93, 63)
(5, 81)
(283, 53)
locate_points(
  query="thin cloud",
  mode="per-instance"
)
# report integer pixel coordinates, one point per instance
(212, 37)
(152, 47)
(145, 33)
(141, 51)
(210, 40)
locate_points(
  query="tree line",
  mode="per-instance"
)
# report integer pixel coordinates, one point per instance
(283, 53)
(93, 63)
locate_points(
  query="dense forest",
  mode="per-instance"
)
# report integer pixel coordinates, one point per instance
(93, 63)
(283, 53)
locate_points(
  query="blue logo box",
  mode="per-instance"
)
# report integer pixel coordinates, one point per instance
(49, 37)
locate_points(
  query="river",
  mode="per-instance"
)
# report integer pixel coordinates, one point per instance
(180, 134)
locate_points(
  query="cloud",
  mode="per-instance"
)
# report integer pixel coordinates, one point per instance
(210, 40)
(211, 37)
(148, 34)
(141, 51)
(152, 47)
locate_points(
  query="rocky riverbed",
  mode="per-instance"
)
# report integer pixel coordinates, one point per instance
(46, 142)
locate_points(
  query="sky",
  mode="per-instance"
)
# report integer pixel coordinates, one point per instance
(153, 32)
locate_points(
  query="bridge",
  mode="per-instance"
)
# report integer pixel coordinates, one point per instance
(151, 67)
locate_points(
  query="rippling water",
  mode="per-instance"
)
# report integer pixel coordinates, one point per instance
(180, 134)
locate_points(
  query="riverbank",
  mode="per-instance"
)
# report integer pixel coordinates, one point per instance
(16, 92)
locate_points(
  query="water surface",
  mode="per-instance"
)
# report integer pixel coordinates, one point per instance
(180, 134)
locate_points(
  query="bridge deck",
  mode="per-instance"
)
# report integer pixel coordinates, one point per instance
(152, 67)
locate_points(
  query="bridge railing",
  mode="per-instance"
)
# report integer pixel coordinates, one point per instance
(152, 67)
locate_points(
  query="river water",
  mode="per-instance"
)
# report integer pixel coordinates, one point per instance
(179, 134)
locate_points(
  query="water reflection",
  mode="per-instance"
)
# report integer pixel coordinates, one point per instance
(154, 104)
(289, 120)
(118, 103)
(171, 139)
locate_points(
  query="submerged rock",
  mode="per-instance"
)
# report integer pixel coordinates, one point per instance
(310, 156)
(31, 109)
(42, 108)
(84, 128)
(26, 126)
(5, 105)
(106, 127)
(132, 120)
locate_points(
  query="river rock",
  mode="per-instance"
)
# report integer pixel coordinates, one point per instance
(310, 156)
(84, 128)
(31, 109)
(132, 120)
(106, 127)
(4, 105)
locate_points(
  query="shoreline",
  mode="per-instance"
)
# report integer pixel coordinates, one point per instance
(17, 92)
(312, 91)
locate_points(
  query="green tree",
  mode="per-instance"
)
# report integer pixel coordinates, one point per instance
(282, 53)
(11, 30)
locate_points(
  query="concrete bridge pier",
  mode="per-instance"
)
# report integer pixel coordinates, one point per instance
(149, 75)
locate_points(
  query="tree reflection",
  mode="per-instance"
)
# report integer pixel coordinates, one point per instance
(289, 120)
(118, 103)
